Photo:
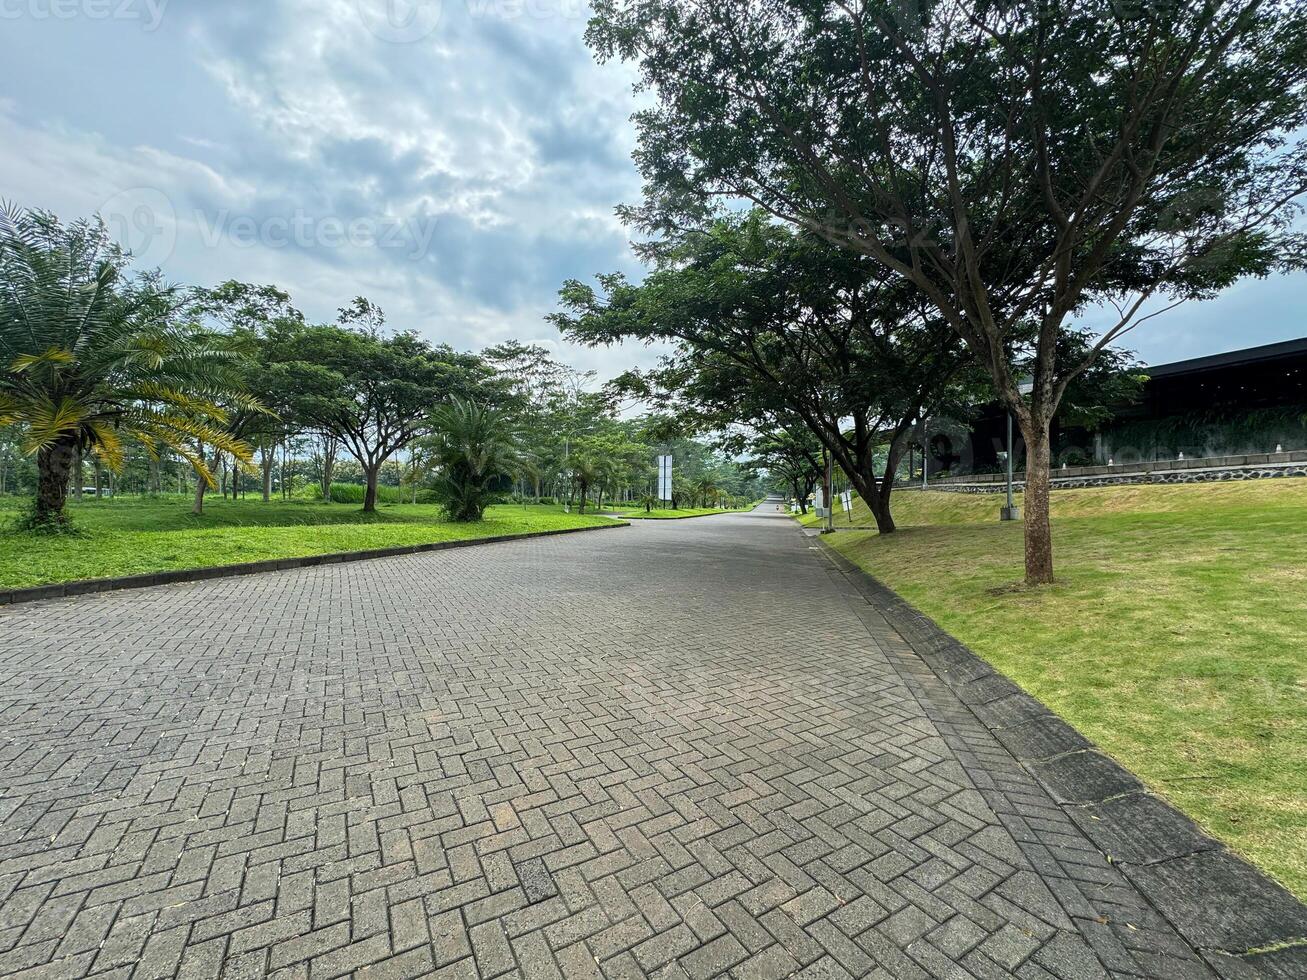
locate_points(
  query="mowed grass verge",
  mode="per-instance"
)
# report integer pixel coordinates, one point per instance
(667, 514)
(134, 536)
(1175, 636)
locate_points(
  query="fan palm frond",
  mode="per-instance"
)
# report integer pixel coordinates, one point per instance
(472, 448)
(94, 357)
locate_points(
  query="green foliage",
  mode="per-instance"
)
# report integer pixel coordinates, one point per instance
(792, 457)
(90, 359)
(1113, 378)
(770, 329)
(472, 449)
(371, 392)
(1215, 432)
(1014, 165)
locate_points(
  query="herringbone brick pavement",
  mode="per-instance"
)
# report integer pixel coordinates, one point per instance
(680, 750)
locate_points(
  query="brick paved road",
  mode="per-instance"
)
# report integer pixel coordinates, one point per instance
(682, 749)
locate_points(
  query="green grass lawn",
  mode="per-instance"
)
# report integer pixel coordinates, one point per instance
(666, 514)
(1175, 636)
(131, 536)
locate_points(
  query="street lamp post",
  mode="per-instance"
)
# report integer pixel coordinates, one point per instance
(827, 489)
(925, 455)
(1011, 512)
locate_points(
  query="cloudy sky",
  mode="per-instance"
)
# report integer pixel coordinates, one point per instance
(453, 161)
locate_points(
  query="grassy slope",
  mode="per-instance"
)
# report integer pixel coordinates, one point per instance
(131, 536)
(1175, 637)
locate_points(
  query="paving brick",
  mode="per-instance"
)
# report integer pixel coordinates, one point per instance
(494, 953)
(697, 752)
(772, 963)
(714, 958)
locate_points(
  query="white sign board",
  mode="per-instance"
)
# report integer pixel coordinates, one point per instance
(846, 498)
(664, 478)
(819, 501)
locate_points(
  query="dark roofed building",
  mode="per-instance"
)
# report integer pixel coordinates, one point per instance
(1239, 381)
(1245, 401)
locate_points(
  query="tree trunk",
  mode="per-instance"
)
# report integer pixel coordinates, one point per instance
(1039, 530)
(268, 458)
(881, 512)
(201, 485)
(876, 495)
(880, 506)
(54, 464)
(370, 495)
(328, 468)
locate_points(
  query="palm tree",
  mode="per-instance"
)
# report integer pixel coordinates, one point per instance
(473, 448)
(89, 358)
(586, 473)
(530, 471)
(706, 489)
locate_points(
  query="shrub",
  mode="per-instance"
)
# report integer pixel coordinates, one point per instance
(475, 450)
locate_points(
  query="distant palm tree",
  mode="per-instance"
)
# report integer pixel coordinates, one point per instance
(587, 472)
(472, 448)
(89, 359)
(529, 471)
(706, 490)
(648, 502)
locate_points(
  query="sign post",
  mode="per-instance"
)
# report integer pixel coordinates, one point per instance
(665, 478)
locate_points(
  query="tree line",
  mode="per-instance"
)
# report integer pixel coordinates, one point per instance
(105, 365)
(861, 215)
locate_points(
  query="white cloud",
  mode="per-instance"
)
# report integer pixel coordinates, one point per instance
(495, 140)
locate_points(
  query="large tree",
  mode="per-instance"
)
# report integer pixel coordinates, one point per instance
(91, 358)
(248, 312)
(372, 392)
(774, 322)
(1017, 163)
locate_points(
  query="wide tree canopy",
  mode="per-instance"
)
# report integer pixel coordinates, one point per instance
(1014, 162)
(372, 392)
(783, 324)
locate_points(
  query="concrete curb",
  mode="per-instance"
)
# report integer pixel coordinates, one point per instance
(64, 590)
(1243, 924)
